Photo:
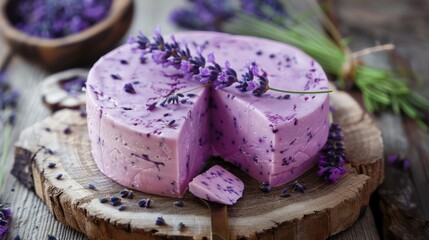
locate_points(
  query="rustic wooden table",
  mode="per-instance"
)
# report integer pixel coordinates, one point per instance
(399, 207)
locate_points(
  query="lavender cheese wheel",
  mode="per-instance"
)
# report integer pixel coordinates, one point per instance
(274, 138)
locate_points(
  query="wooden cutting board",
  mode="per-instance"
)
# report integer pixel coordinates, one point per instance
(322, 211)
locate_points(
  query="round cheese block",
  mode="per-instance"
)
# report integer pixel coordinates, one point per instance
(274, 138)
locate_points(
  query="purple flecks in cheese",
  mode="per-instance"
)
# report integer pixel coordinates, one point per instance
(217, 185)
(144, 146)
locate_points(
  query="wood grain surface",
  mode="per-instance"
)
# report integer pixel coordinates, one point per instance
(323, 210)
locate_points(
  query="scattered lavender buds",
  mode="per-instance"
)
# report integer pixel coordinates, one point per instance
(399, 162)
(171, 123)
(115, 76)
(56, 19)
(103, 200)
(181, 226)
(198, 68)
(67, 131)
(332, 156)
(160, 221)
(59, 176)
(128, 87)
(285, 193)
(142, 203)
(51, 237)
(51, 165)
(296, 186)
(91, 186)
(114, 199)
(5, 215)
(179, 203)
(121, 207)
(74, 86)
(265, 187)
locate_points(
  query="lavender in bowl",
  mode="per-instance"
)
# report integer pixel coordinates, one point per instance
(56, 19)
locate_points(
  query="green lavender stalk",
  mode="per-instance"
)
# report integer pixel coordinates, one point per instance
(381, 89)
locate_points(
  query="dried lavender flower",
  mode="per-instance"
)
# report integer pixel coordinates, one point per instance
(179, 203)
(296, 186)
(59, 176)
(91, 186)
(332, 156)
(181, 226)
(160, 221)
(51, 165)
(142, 203)
(285, 193)
(198, 68)
(128, 87)
(265, 187)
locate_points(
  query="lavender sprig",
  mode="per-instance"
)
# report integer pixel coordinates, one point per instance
(5, 215)
(207, 72)
(332, 156)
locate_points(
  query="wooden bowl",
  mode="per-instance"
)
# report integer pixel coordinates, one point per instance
(73, 50)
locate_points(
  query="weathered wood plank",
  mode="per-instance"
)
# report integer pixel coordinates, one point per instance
(404, 194)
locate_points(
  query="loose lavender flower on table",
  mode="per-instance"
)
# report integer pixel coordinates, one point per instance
(332, 156)
(5, 215)
(206, 71)
(55, 19)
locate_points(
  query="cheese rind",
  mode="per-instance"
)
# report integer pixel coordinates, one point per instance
(273, 138)
(217, 185)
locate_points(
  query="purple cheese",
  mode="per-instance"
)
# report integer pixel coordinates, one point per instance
(217, 185)
(159, 150)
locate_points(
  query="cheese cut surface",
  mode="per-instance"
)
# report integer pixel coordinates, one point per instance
(217, 185)
(274, 138)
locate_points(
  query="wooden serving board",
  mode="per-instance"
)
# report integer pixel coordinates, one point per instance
(323, 210)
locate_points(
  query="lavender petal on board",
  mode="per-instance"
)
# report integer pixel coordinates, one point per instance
(332, 156)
